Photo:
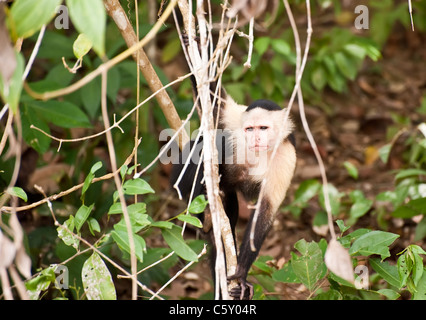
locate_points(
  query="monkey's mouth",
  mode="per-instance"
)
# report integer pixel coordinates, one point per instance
(258, 148)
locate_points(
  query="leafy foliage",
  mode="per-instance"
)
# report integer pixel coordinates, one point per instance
(88, 234)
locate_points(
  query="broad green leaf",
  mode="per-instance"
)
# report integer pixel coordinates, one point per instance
(191, 220)
(97, 280)
(132, 209)
(281, 46)
(171, 50)
(411, 209)
(307, 190)
(81, 216)
(348, 239)
(198, 204)
(355, 50)
(36, 139)
(346, 65)
(374, 242)
(286, 274)
(91, 97)
(261, 44)
(81, 46)
(174, 239)
(122, 240)
(361, 205)
(309, 267)
(137, 186)
(138, 221)
(387, 271)
(420, 293)
(18, 192)
(40, 283)
(10, 91)
(61, 113)
(28, 16)
(89, 17)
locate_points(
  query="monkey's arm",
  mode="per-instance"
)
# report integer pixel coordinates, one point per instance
(246, 256)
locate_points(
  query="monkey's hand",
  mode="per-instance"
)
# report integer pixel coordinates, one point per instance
(244, 291)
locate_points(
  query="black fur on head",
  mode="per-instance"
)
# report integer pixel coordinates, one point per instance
(264, 104)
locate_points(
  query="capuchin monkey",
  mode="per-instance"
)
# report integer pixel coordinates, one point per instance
(246, 140)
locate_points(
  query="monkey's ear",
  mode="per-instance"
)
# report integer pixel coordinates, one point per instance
(285, 124)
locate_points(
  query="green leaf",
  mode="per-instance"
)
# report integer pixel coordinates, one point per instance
(18, 192)
(171, 50)
(319, 77)
(334, 196)
(352, 170)
(281, 46)
(91, 97)
(404, 269)
(89, 17)
(93, 226)
(261, 44)
(97, 280)
(348, 239)
(388, 272)
(411, 209)
(198, 204)
(355, 50)
(81, 46)
(361, 205)
(306, 191)
(81, 216)
(64, 114)
(36, 139)
(40, 283)
(190, 219)
(67, 236)
(10, 91)
(90, 176)
(341, 225)
(286, 274)
(346, 65)
(384, 152)
(374, 242)
(309, 267)
(138, 221)
(420, 293)
(137, 186)
(389, 293)
(27, 16)
(174, 239)
(122, 239)
(410, 173)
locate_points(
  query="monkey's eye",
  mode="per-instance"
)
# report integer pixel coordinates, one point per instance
(264, 128)
(249, 129)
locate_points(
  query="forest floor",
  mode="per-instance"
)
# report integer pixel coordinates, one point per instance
(354, 130)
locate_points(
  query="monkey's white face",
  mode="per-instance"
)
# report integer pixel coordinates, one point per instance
(259, 131)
